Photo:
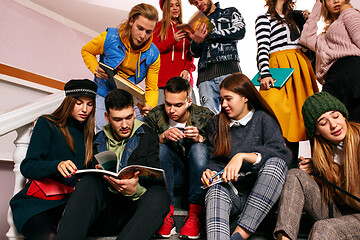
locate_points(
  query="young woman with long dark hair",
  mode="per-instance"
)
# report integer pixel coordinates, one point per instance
(60, 144)
(247, 144)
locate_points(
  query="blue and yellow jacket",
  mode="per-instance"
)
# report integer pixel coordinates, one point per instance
(113, 50)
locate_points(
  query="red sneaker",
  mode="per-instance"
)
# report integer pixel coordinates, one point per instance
(168, 228)
(192, 226)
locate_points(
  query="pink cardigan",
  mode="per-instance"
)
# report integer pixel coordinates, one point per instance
(341, 39)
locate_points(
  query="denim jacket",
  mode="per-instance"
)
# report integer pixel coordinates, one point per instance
(141, 149)
(220, 44)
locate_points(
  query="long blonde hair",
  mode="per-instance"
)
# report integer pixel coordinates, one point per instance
(60, 116)
(166, 19)
(328, 18)
(146, 10)
(346, 176)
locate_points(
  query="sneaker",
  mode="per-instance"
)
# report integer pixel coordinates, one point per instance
(168, 228)
(192, 226)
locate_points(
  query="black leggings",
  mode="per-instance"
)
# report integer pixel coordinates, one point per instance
(43, 225)
(343, 82)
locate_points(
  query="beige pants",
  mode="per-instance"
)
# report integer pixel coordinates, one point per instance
(302, 193)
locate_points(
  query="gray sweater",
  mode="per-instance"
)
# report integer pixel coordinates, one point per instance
(261, 135)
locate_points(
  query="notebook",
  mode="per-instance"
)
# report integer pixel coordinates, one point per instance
(281, 75)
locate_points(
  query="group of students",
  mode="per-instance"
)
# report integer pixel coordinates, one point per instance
(237, 135)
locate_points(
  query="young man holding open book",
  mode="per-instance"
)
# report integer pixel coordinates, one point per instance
(107, 206)
(130, 51)
(217, 49)
(183, 154)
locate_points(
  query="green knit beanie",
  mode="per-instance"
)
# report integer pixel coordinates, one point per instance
(318, 104)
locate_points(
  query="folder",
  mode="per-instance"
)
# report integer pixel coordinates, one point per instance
(281, 75)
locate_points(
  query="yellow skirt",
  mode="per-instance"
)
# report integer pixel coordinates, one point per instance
(287, 101)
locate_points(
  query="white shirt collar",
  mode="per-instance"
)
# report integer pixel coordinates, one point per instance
(244, 120)
(339, 153)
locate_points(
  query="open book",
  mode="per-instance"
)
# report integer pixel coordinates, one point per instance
(280, 75)
(196, 19)
(108, 160)
(117, 81)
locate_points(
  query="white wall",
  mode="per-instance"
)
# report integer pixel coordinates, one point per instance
(39, 44)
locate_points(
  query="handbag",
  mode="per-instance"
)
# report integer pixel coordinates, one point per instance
(48, 189)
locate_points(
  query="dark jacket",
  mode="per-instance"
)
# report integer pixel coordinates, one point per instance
(141, 149)
(221, 42)
(158, 120)
(47, 148)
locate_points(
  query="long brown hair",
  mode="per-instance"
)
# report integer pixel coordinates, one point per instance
(328, 18)
(60, 116)
(146, 10)
(288, 9)
(348, 175)
(241, 85)
(166, 19)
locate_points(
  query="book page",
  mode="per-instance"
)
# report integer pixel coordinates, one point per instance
(107, 160)
(198, 18)
(304, 149)
(96, 171)
(137, 92)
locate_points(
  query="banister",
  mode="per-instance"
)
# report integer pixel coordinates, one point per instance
(18, 73)
(23, 115)
(20, 120)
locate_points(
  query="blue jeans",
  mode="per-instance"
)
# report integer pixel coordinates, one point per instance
(209, 93)
(176, 169)
(100, 113)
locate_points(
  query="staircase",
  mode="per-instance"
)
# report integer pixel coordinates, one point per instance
(21, 121)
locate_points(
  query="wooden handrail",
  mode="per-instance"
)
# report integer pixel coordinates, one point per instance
(31, 77)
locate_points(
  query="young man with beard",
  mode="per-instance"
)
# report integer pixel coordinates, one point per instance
(217, 50)
(107, 206)
(180, 126)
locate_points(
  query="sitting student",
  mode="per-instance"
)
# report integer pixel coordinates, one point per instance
(60, 144)
(130, 50)
(109, 206)
(336, 156)
(247, 144)
(180, 126)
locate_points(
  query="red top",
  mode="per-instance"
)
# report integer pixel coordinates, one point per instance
(174, 56)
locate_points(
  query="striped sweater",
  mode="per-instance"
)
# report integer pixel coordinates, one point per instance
(271, 36)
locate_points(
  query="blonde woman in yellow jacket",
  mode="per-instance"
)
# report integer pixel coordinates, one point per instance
(130, 51)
